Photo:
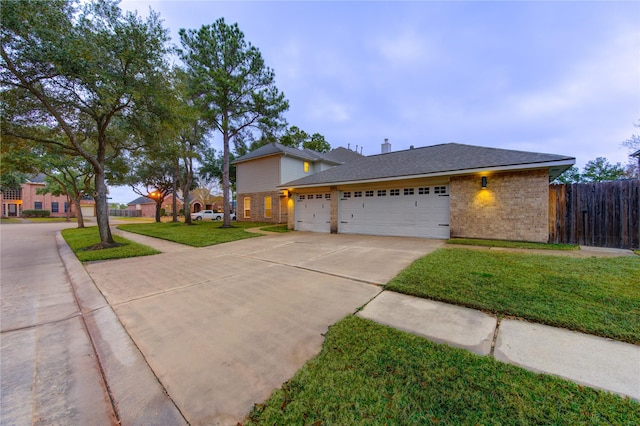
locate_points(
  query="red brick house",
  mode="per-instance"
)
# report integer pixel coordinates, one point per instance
(15, 201)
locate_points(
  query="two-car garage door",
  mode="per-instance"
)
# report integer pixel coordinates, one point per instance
(412, 212)
(421, 211)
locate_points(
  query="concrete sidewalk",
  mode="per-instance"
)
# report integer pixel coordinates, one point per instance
(582, 358)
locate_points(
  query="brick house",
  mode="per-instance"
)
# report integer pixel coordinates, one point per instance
(260, 172)
(147, 206)
(15, 201)
(439, 191)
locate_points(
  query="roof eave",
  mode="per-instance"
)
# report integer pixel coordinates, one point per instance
(560, 164)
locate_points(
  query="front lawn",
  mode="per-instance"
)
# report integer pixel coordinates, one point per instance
(80, 239)
(592, 295)
(369, 374)
(200, 234)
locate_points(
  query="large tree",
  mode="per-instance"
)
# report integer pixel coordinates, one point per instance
(232, 85)
(86, 72)
(600, 170)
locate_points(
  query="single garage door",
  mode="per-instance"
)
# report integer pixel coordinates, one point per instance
(408, 212)
(313, 212)
(88, 210)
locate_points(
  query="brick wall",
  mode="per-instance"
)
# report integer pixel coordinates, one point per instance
(278, 207)
(514, 206)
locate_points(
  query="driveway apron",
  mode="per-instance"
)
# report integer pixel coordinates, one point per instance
(224, 326)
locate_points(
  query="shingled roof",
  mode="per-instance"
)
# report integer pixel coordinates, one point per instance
(436, 160)
(336, 156)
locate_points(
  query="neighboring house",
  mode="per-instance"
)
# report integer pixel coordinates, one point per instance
(440, 191)
(262, 171)
(147, 206)
(15, 201)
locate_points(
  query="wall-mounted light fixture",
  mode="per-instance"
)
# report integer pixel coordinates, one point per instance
(286, 193)
(484, 182)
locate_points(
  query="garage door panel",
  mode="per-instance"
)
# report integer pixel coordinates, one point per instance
(422, 215)
(313, 213)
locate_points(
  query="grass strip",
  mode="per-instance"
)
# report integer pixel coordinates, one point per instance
(512, 244)
(592, 295)
(9, 220)
(80, 239)
(276, 228)
(369, 374)
(199, 234)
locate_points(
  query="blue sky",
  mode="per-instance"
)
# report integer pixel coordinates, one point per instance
(553, 77)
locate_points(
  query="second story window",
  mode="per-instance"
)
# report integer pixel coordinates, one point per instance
(306, 167)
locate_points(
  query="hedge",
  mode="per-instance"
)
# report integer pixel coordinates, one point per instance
(36, 213)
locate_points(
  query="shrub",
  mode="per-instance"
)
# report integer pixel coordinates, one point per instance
(36, 213)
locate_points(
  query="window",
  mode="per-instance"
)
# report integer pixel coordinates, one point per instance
(318, 196)
(66, 207)
(37, 205)
(439, 189)
(327, 196)
(382, 192)
(306, 167)
(393, 192)
(12, 194)
(301, 197)
(346, 194)
(267, 207)
(368, 193)
(408, 191)
(357, 194)
(247, 207)
(54, 207)
(423, 191)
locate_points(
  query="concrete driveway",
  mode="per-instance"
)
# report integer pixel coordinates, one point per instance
(223, 326)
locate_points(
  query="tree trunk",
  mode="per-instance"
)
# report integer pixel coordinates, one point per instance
(76, 202)
(174, 205)
(158, 208)
(225, 182)
(102, 212)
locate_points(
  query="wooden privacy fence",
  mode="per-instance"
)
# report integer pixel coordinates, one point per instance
(602, 214)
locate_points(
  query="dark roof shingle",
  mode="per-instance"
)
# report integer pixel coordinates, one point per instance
(436, 159)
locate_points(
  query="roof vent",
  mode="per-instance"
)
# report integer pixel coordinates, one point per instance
(386, 146)
(411, 147)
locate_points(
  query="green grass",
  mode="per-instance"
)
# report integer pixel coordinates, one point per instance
(200, 234)
(512, 244)
(275, 228)
(9, 220)
(79, 239)
(592, 295)
(369, 374)
(50, 219)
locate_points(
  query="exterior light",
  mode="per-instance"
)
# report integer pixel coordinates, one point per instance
(484, 182)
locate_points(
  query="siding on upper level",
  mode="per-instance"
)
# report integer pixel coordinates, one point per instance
(292, 168)
(260, 175)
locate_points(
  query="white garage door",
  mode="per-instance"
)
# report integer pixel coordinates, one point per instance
(313, 212)
(88, 211)
(407, 212)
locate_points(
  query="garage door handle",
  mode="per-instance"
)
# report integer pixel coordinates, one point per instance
(342, 221)
(443, 195)
(443, 224)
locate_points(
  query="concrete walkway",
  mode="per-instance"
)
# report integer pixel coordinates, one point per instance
(582, 358)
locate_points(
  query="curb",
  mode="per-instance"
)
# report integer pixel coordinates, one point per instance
(138, 396)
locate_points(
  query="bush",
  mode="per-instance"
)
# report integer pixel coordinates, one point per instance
(163, 211)
(36, 213)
